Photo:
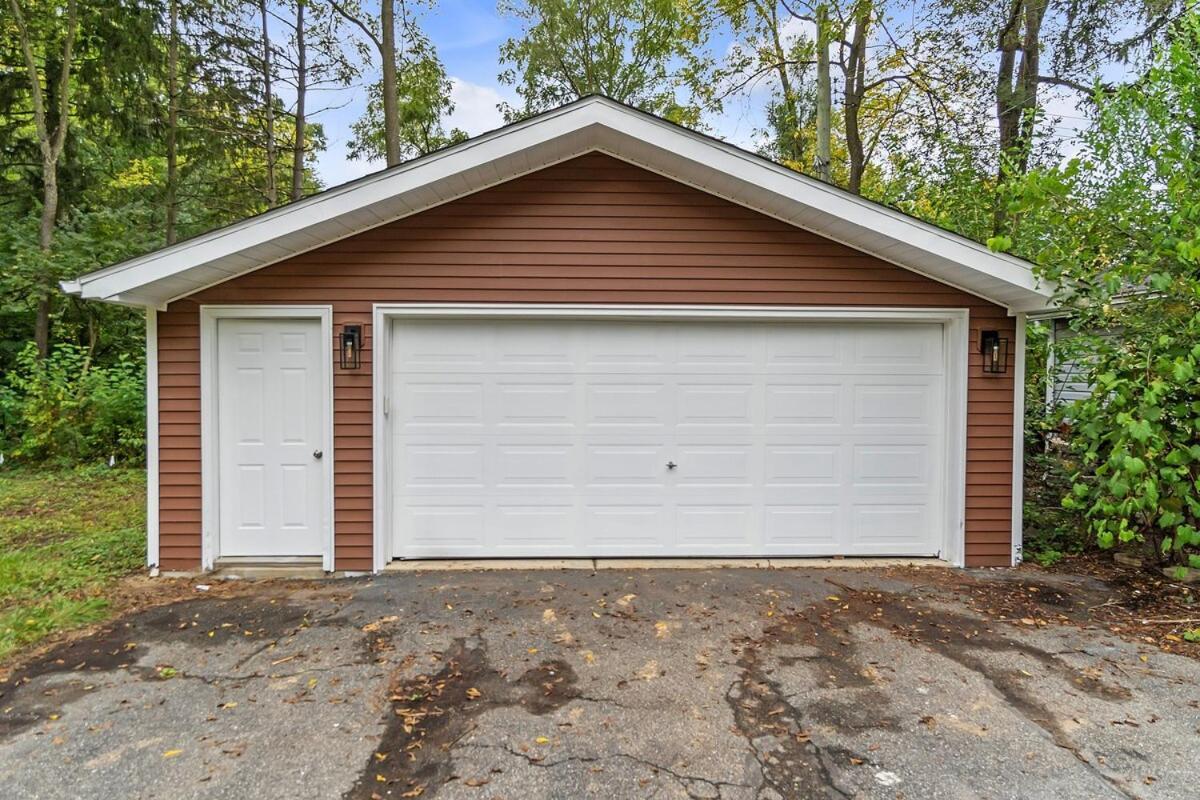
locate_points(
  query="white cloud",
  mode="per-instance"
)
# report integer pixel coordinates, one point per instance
(475, 107)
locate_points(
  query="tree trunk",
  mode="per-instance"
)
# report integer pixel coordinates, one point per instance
(272, 192)
(301, 92)
(1027, 78)
(391, 111)
(1016, 91)
(172, 193)
(821, 163)
(791, 149)
(855, 89)
(45, 301)
(51, 144)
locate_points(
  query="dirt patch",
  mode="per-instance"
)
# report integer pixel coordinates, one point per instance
(203, 622)
(966, 641)
(1138, 605)
(428, 714)
(793, 763)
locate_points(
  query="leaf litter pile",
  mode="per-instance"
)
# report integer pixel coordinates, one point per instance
(1139, 605)
(430, 713)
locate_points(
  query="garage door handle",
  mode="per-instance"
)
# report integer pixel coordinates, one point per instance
(671, 465)
(317, 454)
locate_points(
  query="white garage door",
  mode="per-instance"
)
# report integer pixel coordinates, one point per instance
(548, 437)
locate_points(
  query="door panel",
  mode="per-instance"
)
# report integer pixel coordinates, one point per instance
(270, 425)
(555, 437)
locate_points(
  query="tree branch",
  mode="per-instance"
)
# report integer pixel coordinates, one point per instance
(346, 15)
(1053, 80)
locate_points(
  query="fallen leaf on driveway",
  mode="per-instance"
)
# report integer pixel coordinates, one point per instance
(589, 656)
(662, 630)
(887, 779)
(549, 616)
(542, 740)
(473, 782)
(171, 753)
(414, 792)
(626, 600)
(648, 672)
(474, 694)
(371, 627)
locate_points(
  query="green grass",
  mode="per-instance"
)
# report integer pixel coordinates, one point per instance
(65, 538)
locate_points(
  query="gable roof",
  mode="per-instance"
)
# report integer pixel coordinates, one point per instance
(593, 124)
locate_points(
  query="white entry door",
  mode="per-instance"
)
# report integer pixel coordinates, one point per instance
(553, 437)
(270, 428)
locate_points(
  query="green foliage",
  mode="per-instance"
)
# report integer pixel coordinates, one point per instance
(64, 537)
(67, 409)
(635, 51)
(1119, 229)
(423, 94)
(1138, 437)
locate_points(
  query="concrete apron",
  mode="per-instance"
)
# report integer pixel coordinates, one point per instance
(269, 571)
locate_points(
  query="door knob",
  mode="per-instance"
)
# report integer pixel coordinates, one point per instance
(671, 465)
(317, 454)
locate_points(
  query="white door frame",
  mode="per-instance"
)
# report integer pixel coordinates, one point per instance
(210, 539)
(955, 326)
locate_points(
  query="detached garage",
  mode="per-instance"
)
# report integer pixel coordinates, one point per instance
(592, 333)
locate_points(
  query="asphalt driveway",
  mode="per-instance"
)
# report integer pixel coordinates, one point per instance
(729, 683)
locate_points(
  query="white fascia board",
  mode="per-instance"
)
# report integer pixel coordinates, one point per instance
(593, 124)
(384, 189)
(753, 175)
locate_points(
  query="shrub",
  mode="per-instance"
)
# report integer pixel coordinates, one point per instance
(65, 409)
(1118, 231)
(1138, 439)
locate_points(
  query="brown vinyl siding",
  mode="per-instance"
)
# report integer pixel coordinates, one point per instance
(590, 230)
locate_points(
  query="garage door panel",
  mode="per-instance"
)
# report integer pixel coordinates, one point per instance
(804, 405)
(887, 347)
(716, 406)
(533, 523)
(434, 465)
(717, 466)
(628, 527)
(900, 408)
(612, 405)
(809, 349)
(439, 403)
(801, 465)
(787, 439)
(441, 345)
(645, 348)
(546, 465)
(892, 528)
(893, 467)
(723, 529)
(445, 528)
(622, 465)
(803, 528)
(533, 402)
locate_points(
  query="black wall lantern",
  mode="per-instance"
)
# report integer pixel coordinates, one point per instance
(995, 352)
(350, 347)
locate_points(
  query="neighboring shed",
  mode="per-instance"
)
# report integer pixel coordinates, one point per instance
(1068, 378)
(596, 334)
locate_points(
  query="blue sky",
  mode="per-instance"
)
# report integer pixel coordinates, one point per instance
(468, 35)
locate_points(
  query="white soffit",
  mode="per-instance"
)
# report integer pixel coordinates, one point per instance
(591, 124)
